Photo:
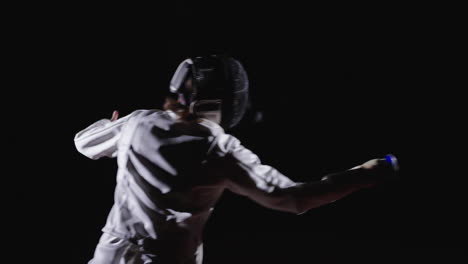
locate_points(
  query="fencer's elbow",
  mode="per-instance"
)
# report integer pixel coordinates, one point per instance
(300, 209)
(303, 206)
(78, 145)
(85, 151)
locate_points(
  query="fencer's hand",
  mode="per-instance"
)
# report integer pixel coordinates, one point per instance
(115, 115)
(379, 170)
(370, 164)
(367, 174)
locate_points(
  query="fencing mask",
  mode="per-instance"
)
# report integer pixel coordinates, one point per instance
(213, 87)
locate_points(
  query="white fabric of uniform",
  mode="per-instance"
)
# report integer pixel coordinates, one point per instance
(170, 175)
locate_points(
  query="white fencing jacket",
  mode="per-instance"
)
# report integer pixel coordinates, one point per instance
(172, 172)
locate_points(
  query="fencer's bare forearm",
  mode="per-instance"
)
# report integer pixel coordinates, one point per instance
(330, 188)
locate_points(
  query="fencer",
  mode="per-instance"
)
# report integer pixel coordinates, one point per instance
(174, 164)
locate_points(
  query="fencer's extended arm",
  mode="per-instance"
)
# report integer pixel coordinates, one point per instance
(331, 188)
(268, 187)
(100, 139)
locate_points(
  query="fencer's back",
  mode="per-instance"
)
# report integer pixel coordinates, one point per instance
(170, 158)
(166, 185)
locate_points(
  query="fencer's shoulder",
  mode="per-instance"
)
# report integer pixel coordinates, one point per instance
(213, 128)
(224, 144)
(141, 115)
(146, 112)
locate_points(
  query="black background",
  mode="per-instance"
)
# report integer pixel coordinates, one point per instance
(336, 85)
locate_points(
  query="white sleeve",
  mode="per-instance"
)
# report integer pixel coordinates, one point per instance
(100, 139)
(261, 183)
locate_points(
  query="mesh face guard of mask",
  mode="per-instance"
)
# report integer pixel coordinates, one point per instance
(218, 89)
